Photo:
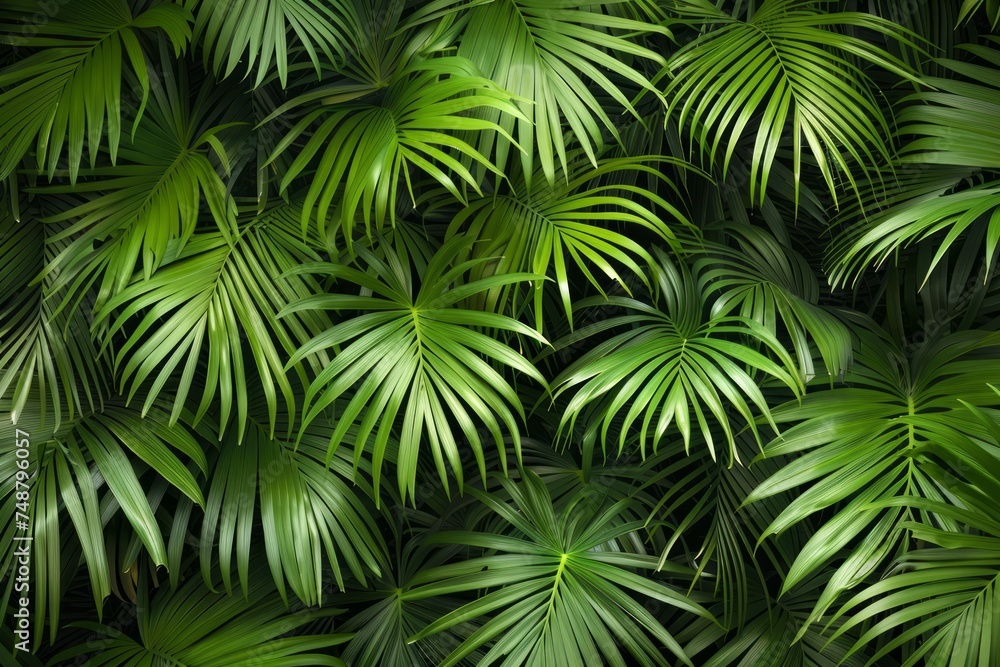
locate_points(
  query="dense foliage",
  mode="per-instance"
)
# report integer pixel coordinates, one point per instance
(502, 332)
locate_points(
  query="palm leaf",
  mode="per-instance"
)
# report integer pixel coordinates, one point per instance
(62, 94)
(558, 599)
(789, 65)
(990, 7)
(767, 282)
(390, 612)
(769, 638)
(232, 32)
(142, 211)
(557, 57)
(73, 464)
(953, 126)
(857, 446)
(368, 147)
(196, 310)
(414, 352)
(943, 598)
(700, 508)
(306, 511)
(670, 362)
(559, 228)
(223, 630)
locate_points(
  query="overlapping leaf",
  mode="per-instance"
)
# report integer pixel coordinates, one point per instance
(694, 490)
(789, 72)
(62, 94)
(223, 630)
(69, 467)
(556, 597)
(769, 638)
(770, 283)
(232, 32)
(990, 7)
(371, 135)
(560, 57)
(44, 355)
(390, 612)
(142, 211)
(195, 312)
(942, 599)
(411, 353)
(858, 447)
(953, 126)
(670, 362)
(555, 229)
(306, 511)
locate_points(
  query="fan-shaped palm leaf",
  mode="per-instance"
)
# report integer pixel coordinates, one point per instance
(391, 613)
(194, 626)
(368, 146)
(536, 230)
(72, 464)
(694, 489)
(787, 66)
(672, 360)
(767, 282)
(860, 445)
(941, 599)
(198, 307)
(148, 205)
(558, 599)
(63, 93)
(954, 126)
(306, 510)
(538, 51)
(413, 351)
(232, 32)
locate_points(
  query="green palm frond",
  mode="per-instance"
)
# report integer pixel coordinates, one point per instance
(142, 211)
(43, 350)
(194, 626)
(307, 510)
(73, 464)
(538, 51)
(673, 359)
(942, 598)
(769, 283)
(789, 72)
(953, 126)
(371, 135)
(562, 596)
(234, 32)
(61, 95)
(859, 446)
(555, 229)
(413, 351)
(196, 310)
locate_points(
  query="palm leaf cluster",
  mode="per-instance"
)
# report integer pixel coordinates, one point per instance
(501, 332)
